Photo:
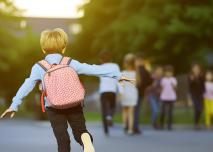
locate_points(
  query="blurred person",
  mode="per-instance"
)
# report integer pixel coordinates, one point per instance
(143, 80)
(108, 89)
(208, 98)
(196, 90)
(53, 43)
(129, 94)
(168, 96)
(153, 94)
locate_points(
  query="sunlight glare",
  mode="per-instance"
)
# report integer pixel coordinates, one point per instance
(50, 8)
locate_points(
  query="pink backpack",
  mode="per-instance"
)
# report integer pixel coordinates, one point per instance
(62, 86)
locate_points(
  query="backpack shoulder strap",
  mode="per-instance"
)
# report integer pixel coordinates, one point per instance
(44, 65)
(65, 60)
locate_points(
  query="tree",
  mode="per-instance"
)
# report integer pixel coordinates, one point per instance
(168, 31)
(18, 49)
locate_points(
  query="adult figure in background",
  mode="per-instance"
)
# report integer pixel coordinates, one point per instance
(143, 79)
(197, 88)
(153, 94)
(108, 89)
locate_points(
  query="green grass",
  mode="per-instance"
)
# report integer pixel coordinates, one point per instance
(181, 115)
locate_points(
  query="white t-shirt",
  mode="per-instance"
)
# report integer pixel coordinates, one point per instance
(168, 92)
(109, 84)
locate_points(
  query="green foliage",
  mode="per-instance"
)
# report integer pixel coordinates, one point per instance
(18, 50)
(166, 30)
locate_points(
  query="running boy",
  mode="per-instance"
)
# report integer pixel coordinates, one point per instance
(53, 43)
(108, 89)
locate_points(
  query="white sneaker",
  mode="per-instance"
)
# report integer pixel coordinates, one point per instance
(88, 146)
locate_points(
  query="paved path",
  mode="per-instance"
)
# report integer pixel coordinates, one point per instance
(32, 136)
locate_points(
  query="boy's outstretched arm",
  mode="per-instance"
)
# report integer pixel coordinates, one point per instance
(98, 70)
(23, 91)
(95, 70)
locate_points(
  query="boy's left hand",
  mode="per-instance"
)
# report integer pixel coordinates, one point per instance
(9, 112)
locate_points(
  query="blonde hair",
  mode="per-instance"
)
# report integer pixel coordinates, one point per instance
(129, 61)
(54, 41)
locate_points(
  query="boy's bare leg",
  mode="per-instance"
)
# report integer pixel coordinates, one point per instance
(87, 142)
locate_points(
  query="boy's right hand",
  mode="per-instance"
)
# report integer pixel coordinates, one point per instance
(9, 112)
(123, 78)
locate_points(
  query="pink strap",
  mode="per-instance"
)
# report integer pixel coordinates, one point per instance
(66, 61)
(45, 65)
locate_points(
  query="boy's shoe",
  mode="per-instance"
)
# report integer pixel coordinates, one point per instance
(89, 148)
(87, 142)
(110, 123)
